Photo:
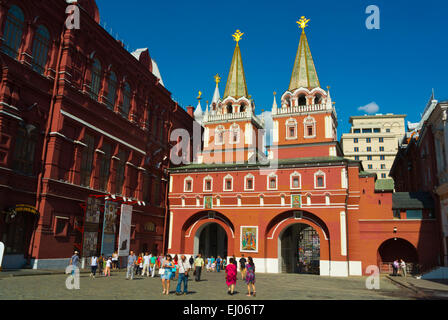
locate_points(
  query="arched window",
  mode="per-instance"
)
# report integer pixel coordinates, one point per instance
(310, 127)
(319, 180)
(302, 100)
(318, 99)
(126, 99)
(291, 129)
(24, 151)
(96, 79)
(228, 183)
(112, 94)
(272, 182)
(229, 108)
(243, 108)
(41, 47)
(188, 184)
(249, 182)
(208, 184)
(219, 135)
(296, 181)
(12, 36)
(235, 134)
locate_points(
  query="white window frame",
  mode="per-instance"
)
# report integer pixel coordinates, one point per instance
(327, 199)
(291, 178)
(272, 175)
(320, 173)
(289, 123)
(218, 129)
(308, 199)
(232, 128)
(203, 184)
(224, 182)
(185, 184)
(249, 176)
(307, 121)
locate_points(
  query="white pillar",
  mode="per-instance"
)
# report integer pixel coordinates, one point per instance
(170, 237)
(343, 234)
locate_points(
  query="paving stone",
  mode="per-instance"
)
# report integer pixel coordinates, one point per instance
(212, 287)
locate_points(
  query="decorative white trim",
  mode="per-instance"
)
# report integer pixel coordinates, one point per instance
(289, 123)
(268, 178)
(307, 121)
(320, 173)
(68, 115)
(224, 182)
(203, 184)
(291, 178)
(185, 184)
(234, 128)
(249, 176)
(343, 224)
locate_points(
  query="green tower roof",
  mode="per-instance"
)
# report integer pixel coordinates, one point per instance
(304, 73)
(236, 82)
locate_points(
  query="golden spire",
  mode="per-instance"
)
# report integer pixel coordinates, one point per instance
(200, 94)
(237, 36)
(217, 79)
(303, 23)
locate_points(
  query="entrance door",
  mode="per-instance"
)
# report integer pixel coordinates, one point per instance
(300, 250)
(212, 241)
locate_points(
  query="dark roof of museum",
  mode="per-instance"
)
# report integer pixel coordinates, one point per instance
(299, 162)
(412, 200)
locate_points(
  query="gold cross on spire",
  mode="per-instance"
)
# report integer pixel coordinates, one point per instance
(303, 23)
(237, 36)
(217, 79)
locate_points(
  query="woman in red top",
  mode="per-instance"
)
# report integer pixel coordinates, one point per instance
(231, 273)
(140, 264)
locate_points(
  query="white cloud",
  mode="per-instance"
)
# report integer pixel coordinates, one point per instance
(372, 107)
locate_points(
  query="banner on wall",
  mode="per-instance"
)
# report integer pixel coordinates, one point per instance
(124, 238)
(91, 222)
(109, 228)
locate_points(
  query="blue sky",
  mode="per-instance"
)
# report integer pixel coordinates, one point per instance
(397, 66)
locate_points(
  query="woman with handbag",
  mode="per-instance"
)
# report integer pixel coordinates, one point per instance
(167, 267)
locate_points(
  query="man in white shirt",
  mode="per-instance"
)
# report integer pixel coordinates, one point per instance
(184, 268)
(94, 266)
(146, 261)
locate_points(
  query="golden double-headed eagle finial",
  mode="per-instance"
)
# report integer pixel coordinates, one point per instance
(217, 79)
(237, 36)
(303, 23)
(200, 95)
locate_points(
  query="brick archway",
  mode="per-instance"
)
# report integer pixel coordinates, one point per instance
(279, 224)
(195, 224)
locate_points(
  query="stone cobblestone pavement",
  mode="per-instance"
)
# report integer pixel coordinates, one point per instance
(211, 287)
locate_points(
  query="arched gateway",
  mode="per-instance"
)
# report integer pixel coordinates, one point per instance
(211, 240)
(299, 249)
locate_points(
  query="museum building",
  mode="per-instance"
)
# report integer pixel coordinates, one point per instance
(80, 116)
(299, 207)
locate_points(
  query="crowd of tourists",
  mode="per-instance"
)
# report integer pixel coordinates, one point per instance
(174, 269)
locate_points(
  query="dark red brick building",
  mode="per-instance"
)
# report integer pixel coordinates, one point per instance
(79, 116)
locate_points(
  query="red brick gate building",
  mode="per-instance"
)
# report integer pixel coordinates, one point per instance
(79, 116)
(304, 207)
